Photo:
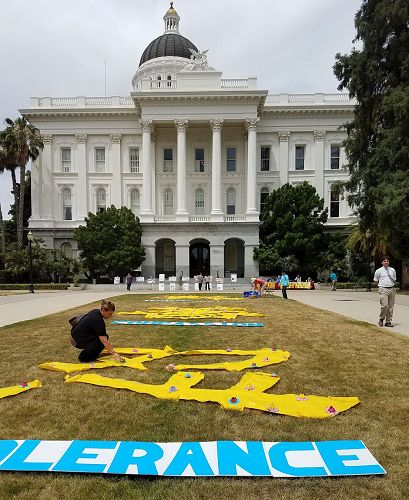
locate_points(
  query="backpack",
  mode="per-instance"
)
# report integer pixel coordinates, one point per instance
(75, 320)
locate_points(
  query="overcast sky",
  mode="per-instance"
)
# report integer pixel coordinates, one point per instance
(58, 47)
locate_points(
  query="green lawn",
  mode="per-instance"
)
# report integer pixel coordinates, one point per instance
(330, 355)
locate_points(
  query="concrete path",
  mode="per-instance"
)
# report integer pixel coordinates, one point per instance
(362, 306)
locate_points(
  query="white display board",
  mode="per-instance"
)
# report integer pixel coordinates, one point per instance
(186, 287)
(161, 286)
(172, 286)
(200, 459)
(117, 280)
(161, 278)
(219, 286)
(233, 277)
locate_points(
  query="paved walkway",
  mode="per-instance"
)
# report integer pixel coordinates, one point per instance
(362, 306)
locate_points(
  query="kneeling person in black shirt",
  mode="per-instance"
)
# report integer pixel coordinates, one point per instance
(90, 334)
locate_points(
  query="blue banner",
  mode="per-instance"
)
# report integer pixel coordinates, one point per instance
(191, 459)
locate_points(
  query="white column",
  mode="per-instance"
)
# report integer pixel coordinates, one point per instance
(153, 170)
(116, 170)
(283, 137)
(47, 187)
(35, 188)
(252, 212)
(216, 213)
(82, 186)
(319, 136)
(146, 202)
(181, 213)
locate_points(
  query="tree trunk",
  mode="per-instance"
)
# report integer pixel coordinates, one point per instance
(2, 233)
(404, 280)
(20, 211)
(15, 190)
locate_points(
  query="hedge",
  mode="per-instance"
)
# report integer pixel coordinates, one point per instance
(37, 286)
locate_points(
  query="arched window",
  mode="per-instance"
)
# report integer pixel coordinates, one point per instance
(199, 202)
(168, 202)
(67, 249)
(230, 201)
(101, 200)
(334, 203)
(134, 201)
(263, 198)
(66, 204)
(169, 78)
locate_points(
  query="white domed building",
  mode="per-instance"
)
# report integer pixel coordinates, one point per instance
(193, 155)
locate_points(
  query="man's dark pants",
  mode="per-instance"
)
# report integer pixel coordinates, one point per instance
(284, 292)
(90, 351)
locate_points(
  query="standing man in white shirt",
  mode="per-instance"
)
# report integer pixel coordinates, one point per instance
(385, 276)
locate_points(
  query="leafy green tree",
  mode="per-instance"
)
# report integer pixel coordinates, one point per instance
(48, 264)
(292, 234)
(20, 143)
(377, 146)
(110, 242)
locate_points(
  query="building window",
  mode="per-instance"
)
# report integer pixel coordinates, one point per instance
(101, 200)
(67, 249)
(334, 204)
(199, 202)
(231, 202)
(199, 160)
(231, 159)
(66, 204)
(263, 198)
(168, 160)
(135, 203)
(168, 202)
(65, 159)
(169, 78)
(99, 159)
(134, 160)
(335, 156)
(299, 157)
(265, 158)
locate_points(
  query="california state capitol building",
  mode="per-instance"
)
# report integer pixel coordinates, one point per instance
(193, 155)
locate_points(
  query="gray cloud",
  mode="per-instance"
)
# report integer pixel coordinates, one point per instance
(58, 47)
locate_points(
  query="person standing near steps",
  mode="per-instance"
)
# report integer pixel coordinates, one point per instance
(385, 276)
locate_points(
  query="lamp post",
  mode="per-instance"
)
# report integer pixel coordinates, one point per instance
(30, 239)
(368, 239)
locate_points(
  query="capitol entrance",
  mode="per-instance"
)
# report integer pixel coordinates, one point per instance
(199, 258)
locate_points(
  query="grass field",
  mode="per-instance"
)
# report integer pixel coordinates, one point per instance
(330, 355)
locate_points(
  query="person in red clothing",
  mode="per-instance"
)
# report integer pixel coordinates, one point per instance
(258, 284)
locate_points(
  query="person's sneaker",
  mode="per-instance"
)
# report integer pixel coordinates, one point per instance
(389, 324)
(380, 322)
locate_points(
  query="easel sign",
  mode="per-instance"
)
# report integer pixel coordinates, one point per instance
(161, 286)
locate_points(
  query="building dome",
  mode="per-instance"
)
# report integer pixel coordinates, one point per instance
(168, 45)
(171, 43)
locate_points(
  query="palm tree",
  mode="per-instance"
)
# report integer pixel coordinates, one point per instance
(374, 243)
(21, 142)
(2, 228)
